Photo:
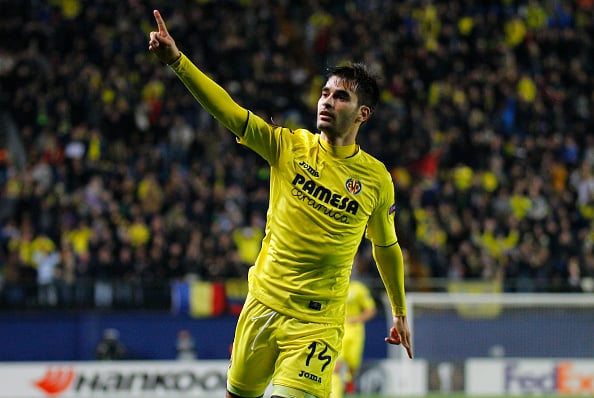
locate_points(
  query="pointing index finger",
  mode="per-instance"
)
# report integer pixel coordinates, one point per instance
(160, 23)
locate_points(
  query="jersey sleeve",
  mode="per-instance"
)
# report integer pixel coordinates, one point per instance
(213, 98)
(263, 138)
(380, 227)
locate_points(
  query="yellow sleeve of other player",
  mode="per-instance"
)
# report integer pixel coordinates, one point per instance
(359, 299)
(211, 96)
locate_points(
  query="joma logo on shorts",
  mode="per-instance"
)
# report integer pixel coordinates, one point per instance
(310, 376)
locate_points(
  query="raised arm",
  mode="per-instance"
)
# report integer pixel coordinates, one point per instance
(161, 43)
(213, 98)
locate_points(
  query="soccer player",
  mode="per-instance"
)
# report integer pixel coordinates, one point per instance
(325, 194)
(360, 308)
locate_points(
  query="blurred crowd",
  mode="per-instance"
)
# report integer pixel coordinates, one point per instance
(114, 182)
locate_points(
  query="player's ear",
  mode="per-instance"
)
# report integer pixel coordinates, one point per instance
(364, 113)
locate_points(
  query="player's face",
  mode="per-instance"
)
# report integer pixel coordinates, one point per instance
(338, 111)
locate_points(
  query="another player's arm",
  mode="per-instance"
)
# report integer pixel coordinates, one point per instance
(366, 304)
(212, 97)
(363, 316)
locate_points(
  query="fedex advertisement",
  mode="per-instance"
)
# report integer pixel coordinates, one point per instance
(511, 377)
(113, 379)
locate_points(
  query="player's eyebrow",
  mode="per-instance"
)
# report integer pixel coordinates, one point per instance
(338, 92)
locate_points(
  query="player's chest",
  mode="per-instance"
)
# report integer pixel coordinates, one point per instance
(332, 186)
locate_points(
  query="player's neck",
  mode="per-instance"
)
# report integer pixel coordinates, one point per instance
(339, 151)
(342, 140)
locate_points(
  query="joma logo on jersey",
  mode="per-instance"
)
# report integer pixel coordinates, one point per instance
(325, 195)
(310, 376)
(305, 166)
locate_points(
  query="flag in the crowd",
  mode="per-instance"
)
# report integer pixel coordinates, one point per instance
(236, 292)
(198, 299)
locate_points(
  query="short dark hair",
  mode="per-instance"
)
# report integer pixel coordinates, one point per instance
(364, 82)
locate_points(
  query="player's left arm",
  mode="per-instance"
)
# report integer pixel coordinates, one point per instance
(390, 262)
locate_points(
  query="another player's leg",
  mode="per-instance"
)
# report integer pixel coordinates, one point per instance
(349, 382)
(351, 356)
(338, 380)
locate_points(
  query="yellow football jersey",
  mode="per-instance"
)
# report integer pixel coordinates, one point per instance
(359, 299)
(321, 204)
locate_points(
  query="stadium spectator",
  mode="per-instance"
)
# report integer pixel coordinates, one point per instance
(185, 346)
(110, 348)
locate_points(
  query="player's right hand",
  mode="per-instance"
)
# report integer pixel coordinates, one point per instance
(161, 43)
